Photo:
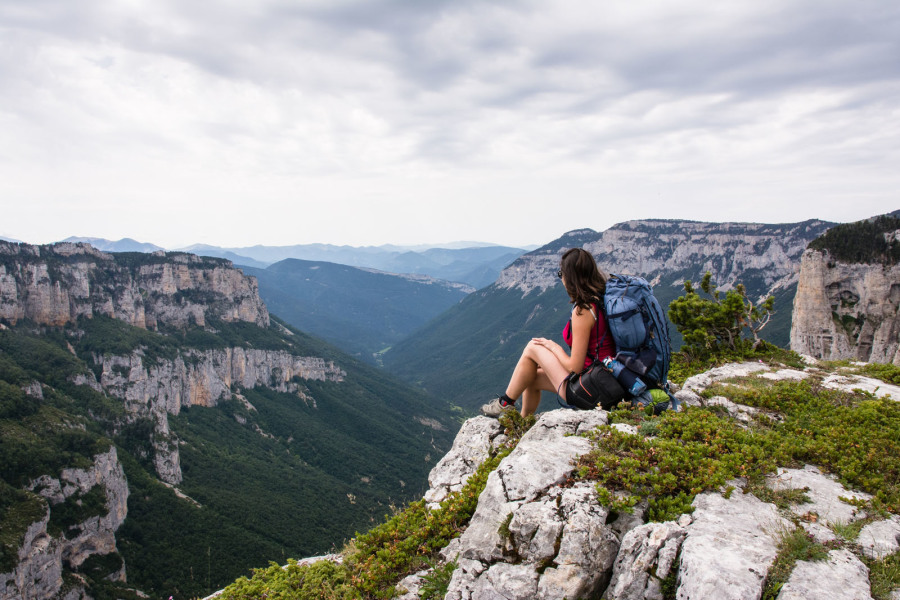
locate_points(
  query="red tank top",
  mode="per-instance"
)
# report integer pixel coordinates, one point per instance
(600, 345)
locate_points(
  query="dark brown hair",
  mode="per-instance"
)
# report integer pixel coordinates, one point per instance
(584, 282)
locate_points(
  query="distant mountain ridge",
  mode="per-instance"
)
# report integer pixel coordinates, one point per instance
(474, 263)
(362, 311)
(476, 266)
(468, 353)
(123, 245)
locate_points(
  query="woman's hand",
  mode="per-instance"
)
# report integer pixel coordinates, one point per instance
(553, 347)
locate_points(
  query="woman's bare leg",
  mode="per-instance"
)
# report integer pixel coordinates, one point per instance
(538, 369)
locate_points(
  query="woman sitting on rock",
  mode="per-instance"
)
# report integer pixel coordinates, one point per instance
(544, 364)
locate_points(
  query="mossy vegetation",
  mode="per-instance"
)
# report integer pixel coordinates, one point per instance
(852, 435)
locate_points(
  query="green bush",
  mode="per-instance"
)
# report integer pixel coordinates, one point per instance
(716, 323)
(694, 451)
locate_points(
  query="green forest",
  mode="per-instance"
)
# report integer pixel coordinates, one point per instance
(863, 241)
(269, 477)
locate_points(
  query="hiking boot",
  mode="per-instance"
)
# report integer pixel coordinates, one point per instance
(496, 407)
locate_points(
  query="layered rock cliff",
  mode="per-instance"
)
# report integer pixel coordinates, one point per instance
(56, 284)
(44, 554)
(847, 310)
(671, 251)
(201, 378)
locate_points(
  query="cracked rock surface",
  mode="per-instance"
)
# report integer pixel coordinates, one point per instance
(841, 577)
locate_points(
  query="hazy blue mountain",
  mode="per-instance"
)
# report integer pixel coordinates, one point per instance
(476, 266)
(361, 311)
(123, 245)
(467, 354)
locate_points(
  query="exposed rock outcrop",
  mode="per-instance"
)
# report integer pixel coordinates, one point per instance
(155, 389)
(847, 311)
(538, 532)
(43, 556)
(56, 284)
(730, 545)
(815, 580)
(658, 248)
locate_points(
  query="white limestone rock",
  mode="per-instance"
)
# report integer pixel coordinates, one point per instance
(504, 581)
(819, 533)
(542, 459)
(89, 282)
(625, 428)
(873, 386)
(587, 546)
(689, 398)
(730, 546)
(472, 445)
(558, 544)
(785, 375)
(700, 382)
(38, 573)
(881, 538)
(408, 588)
(824, 492)
(739, 412)
(846, 310)
(646, 557)
(841, 576)
(41, 558)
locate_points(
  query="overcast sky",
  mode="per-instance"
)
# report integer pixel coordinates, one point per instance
(281, 122)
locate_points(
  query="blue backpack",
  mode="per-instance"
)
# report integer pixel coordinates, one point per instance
(638, 325)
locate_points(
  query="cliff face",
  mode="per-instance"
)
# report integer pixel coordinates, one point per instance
(198, 378)
(56, 284)
(655, 249)
(43, 554)
(847, 311)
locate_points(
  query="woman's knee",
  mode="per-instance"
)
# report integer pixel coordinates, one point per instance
(531, 350)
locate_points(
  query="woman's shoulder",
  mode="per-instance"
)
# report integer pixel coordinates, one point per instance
(578, 311)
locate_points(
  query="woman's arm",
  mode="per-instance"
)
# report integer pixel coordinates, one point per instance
(582, 321)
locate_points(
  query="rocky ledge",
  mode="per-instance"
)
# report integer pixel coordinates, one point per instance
(537, 534)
